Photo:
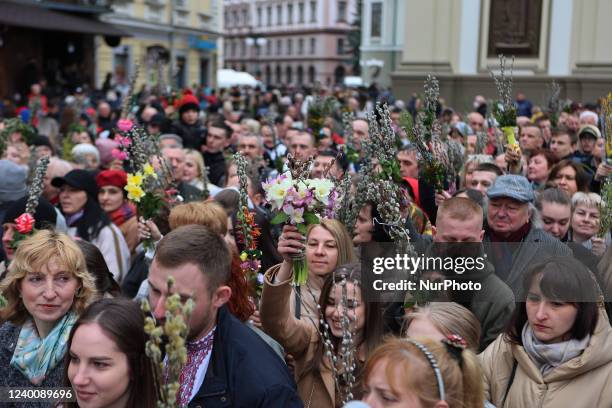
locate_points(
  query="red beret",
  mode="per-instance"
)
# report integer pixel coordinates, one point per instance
(117, 178)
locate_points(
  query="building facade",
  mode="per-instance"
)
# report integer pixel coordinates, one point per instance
(459, 41)
(183, 32)
(51, 41)
(382, 38)
(290, 42)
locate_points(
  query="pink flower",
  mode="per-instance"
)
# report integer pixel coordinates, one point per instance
(119, 154)
(123, 141)
(25, 223)
(125, 125)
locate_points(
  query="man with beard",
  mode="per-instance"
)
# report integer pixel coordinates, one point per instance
(458, 235)
(228, 364)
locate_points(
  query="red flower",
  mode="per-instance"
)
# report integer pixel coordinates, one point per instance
(125, 125)
(25, 223)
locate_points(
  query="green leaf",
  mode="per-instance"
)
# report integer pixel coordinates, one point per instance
(302, 228)
(311, 218)
(280, 218)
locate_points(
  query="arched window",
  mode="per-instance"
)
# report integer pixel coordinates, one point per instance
(300, 75)
(312, 75)
(268, 75)
(339, 73)
(279, 75)
(289, 75)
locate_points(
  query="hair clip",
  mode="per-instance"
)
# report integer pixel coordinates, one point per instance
(434, 364)
(455, 345)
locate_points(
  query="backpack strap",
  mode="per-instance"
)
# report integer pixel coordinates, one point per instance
(510, 381)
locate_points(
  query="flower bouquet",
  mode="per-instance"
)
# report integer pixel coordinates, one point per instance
(301, 201)
(248, 232)
(24, 224)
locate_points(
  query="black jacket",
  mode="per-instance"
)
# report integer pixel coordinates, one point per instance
(216, 167)
(193, 135)
(244, 372)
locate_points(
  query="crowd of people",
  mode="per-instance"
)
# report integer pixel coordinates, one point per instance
(538, 334)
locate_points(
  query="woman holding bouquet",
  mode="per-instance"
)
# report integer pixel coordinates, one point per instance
(327, 245)
(344, 316)
(47, 287)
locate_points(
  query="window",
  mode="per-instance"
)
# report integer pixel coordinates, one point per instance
(268, 74)
(180, 3)
(300, 75)
(300, 12)
(289, 13)
(342, 11)
(225, 48)
(181, 71)
(279, 76)
(245, 17)
(300, 46)
(243, 48)
(235, 18)
(289, 46)
(312, 75)
(226, 19)
(154, 13)
(279, 15)
(269, 47)
(279, 47)
(181, 17)
(375, 29)
(289, 75)
(313, 45)
(313, 11)
(234, 48)
(269, 17)
(340, 46)
(259, 15)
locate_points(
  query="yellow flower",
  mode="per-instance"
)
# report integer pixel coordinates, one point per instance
(148, 170)
(135, 193)
(243, 256)
(135, 180)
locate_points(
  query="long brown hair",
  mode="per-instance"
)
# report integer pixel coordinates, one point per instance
(122, 320)
(373, 325)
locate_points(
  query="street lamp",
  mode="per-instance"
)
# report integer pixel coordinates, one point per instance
(256, 40)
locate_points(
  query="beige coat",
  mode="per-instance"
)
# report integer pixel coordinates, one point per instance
(299, 337)
(582, 382)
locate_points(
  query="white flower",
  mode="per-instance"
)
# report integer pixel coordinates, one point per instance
(321, 189)
(276, 190)
(295, 214)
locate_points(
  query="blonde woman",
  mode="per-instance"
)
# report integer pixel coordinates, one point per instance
(47, 287)
(449, 375)
(327, 246)
(194, 167)
(586, 212)
(438, 320)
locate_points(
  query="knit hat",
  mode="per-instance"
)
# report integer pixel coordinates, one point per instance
(13, 178)
(105, 148)
(45, 215)
(79, 179)
(117, 178)
(188, 102)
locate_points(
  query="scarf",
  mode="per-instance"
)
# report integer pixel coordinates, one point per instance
(123, 213)
(548, 356)
(72, 219)
(35, 357)
(196, 353)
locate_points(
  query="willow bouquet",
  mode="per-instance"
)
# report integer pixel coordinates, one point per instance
(167, 372)
(505, 110)
(301, 201)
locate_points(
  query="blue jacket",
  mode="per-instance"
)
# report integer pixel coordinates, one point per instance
(244, 372)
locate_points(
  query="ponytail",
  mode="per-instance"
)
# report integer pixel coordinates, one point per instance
(473, 388)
